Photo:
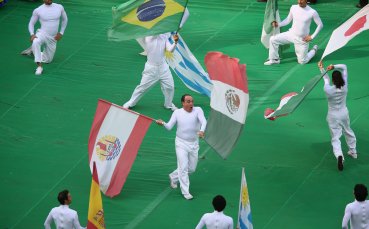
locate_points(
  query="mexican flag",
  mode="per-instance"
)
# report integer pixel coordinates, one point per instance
(229, 101)
(271, 14)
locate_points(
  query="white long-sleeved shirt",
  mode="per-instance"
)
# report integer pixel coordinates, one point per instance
(49, 17)
(336, 96)
(155, 46)
(64, 218)
(188, 123)
(302, 17)
(358, 215)
(215, 220)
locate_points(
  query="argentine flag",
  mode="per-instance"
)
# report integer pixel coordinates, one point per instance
(188, 69)
(244, 214)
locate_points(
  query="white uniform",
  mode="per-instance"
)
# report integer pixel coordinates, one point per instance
(358, 215)
(338, 116)
(156, 69)
(49, 17)
(187, 143)
(215, 220)
(301, 18)
(64, 217)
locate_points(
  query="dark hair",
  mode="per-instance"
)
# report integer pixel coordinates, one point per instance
(184, 96)
(219, 203)
(63, 196)
(360, 192)
(337, 79)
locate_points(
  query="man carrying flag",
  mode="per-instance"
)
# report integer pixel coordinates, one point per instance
(299, 34)
(191, 125)
(95, 208)
(156, 70)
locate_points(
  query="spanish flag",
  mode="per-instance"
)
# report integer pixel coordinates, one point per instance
(95, 209)
(141, 18)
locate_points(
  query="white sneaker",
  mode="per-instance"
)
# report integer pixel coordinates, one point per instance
(315, 47)
(143, 53)
(27, 52)
(39, 70)
(127, 105)
(172, 107)
(172, 183)
(352, 154)
(188, 196)
(270, 62)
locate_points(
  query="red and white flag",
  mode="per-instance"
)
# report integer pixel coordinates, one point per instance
(115, 137)
(229, 101)
(348, 30)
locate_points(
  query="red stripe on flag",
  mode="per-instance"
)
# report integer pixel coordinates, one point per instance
(91, 225)
(101, 111)
(95, 177)
(128, 156)
(227, 70)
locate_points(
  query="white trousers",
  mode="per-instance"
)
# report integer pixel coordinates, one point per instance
(187, 157)
(150, 76)
(301, 47)
(48, 43)
(339, 120)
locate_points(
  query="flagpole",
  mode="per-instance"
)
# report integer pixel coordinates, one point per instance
(179, 25)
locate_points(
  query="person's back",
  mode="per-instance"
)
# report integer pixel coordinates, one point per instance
(357, 212)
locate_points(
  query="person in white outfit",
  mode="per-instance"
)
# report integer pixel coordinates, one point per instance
(357, 212)
(299, 34)
(217, 219)
(63, 216)
(338, 116)
(156, 70)
(191, 124)
(48, 15)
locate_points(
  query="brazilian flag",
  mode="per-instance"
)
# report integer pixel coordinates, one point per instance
(141, 18)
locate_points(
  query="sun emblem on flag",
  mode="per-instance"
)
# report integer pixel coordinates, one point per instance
(232, 101)
(245, 196)
(108, 148)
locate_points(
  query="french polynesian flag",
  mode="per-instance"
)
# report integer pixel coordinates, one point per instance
(115, 137)
(96, 218)
(229, 101)
(348, 30)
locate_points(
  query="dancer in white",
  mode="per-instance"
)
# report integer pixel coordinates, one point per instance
(191, 125)
(216, 219)
(357, 212)
(156, 70)
(338, 116)
(48, 15)
(299, 34)
(63, 216)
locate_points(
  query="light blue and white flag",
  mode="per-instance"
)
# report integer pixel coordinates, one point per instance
(188, 69)
(244, 213)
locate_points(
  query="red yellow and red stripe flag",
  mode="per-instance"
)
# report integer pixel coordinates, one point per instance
(95, 208)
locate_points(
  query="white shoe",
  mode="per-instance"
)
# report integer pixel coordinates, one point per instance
(172, 107)
(143, 53)
(270, 62)
(39, 70)
(352, 154)
(188, 196)
(27, 52)
(127, 105)
(172, 183)
(315, 47)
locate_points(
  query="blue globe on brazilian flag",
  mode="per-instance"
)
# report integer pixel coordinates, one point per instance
(141, 18)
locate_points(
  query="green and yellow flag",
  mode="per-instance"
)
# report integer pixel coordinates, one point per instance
(141, 18)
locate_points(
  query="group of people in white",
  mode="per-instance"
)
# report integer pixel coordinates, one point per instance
(190, 120)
